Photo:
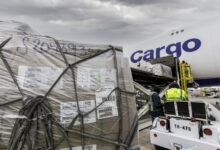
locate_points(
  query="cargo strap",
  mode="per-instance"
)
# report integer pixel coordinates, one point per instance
(38, 109)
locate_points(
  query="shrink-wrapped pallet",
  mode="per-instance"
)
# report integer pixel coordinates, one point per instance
(63, 95)
(157, 69)
(162, 70)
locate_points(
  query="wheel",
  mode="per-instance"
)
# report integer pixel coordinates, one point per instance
(159, 148)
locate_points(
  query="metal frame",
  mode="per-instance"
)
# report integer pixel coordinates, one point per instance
(190, 111)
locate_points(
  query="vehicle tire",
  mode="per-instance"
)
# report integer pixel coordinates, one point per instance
(159, 148)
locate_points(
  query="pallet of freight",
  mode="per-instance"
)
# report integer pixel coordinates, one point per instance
(63, 95)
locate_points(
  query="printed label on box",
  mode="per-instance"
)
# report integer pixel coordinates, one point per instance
(69, 110)
(87, 147)
(88, 78)
(109, 107)
(39, 77)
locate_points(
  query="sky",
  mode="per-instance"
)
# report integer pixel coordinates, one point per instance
(115, 22)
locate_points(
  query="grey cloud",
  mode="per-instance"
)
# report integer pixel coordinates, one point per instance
(120, 22)
(139, 2)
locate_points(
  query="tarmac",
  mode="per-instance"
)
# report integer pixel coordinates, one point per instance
(144, 135)
(144, 140)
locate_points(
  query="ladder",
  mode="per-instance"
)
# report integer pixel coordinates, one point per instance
(185, 75)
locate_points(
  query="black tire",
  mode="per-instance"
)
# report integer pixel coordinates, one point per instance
(159, 148)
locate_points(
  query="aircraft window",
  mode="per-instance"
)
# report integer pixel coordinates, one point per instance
(177, 32)
(182, 30)
(172, 34)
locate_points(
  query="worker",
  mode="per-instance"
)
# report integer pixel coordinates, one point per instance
(186, 68)
(184, 62)
(174, 93)
(155, 105)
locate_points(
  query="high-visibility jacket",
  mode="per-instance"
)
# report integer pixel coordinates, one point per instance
(151, 105)
(176, 94)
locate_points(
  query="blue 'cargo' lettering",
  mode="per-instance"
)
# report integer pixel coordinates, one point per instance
(190, 45)
(138, 58)
(197, 44)
(158, 51)
(174, 48)
(148, 55)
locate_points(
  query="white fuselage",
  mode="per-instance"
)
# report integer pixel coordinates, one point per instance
(199, 45)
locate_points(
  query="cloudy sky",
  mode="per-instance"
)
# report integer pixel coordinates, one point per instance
(119, 22)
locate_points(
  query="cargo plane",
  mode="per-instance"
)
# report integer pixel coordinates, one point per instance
(198, 45)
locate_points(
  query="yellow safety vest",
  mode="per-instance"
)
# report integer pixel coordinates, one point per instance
(175, 94)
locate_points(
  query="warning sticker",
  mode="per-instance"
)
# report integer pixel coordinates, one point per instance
(95, 78)
(87, 147)
(39, 77)
(69, 110)
(109, 107)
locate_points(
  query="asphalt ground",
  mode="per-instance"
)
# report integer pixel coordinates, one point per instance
(144, 140)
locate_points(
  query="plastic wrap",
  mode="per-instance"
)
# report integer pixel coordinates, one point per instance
(147, 67)
(63, 95)
(162, 70)
(157, 69)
